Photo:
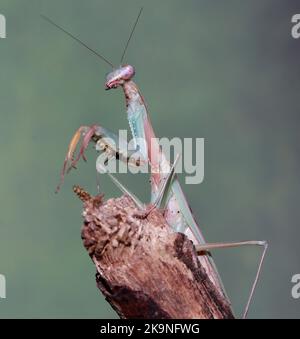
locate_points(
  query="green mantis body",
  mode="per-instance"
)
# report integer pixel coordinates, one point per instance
(166, 191)
(176, 211)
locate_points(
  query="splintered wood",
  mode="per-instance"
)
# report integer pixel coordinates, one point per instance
(144, 269)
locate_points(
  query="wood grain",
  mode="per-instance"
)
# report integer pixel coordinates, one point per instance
(144, 269)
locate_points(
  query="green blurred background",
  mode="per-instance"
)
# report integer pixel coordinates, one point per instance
(227, 71)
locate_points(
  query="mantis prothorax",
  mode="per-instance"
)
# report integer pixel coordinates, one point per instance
(166, 191)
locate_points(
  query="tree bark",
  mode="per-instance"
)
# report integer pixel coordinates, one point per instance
(144, 269)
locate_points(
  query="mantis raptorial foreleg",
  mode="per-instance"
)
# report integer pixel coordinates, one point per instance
(202, 249)
(106, 141)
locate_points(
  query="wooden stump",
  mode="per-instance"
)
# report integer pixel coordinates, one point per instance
(144, 269)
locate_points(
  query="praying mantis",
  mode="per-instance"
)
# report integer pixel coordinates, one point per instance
(166, 192)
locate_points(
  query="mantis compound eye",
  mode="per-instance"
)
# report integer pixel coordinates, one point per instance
(127, 72)
(117, 77)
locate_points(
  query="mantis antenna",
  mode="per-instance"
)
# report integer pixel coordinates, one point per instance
(73, 37)
(131, 34)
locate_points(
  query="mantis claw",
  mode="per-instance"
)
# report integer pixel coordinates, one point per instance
(87, 137)
(70, 161)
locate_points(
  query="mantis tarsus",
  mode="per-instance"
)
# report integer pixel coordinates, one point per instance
(166, 191)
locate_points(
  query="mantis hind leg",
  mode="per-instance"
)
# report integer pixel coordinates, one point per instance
(202, 249)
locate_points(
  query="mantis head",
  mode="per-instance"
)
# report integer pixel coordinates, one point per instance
(119, 76)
